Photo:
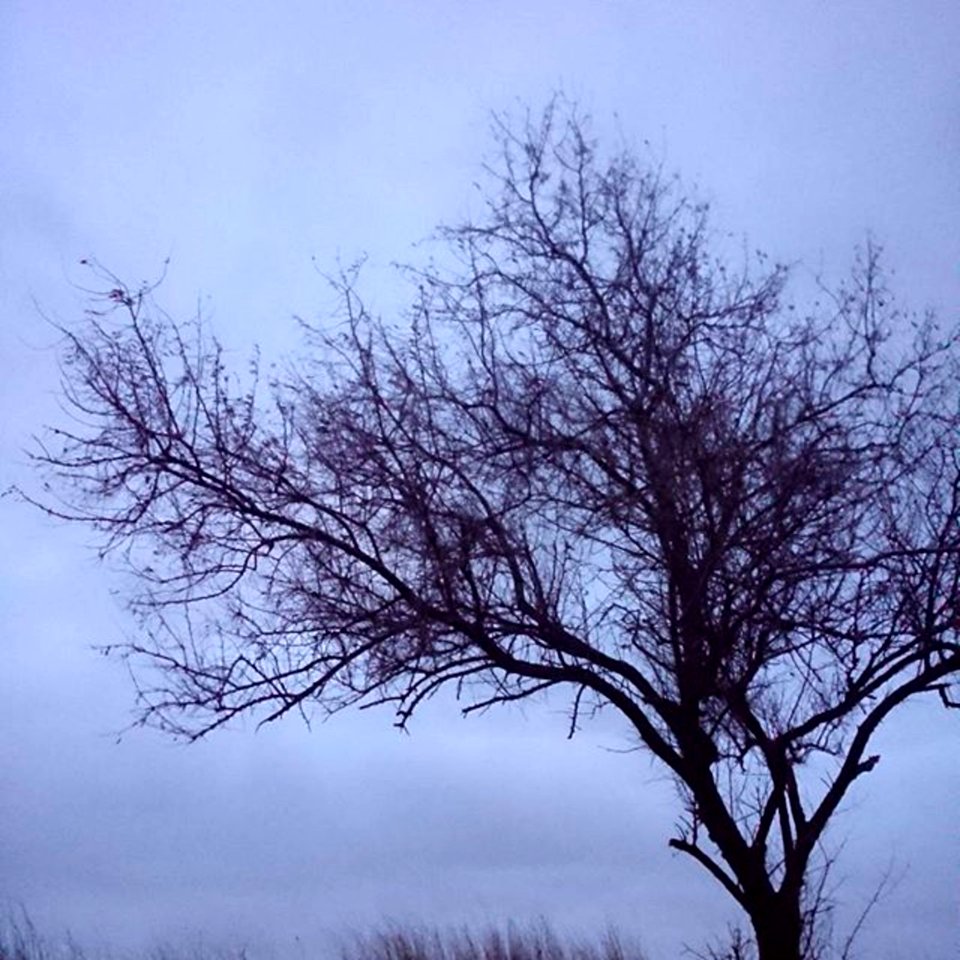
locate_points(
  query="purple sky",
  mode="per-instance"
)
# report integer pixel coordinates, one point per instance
(244, 139)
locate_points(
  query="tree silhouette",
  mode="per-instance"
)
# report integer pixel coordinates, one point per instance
(593, 457)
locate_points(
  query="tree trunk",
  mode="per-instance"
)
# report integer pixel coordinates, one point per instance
(778, 928)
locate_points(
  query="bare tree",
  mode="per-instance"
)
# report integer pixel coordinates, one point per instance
(593, 457)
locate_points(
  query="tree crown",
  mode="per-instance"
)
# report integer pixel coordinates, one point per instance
(595, 457)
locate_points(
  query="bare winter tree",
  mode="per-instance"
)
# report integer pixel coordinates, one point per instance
(594, 457)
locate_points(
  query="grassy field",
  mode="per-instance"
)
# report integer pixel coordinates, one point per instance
(20, 940)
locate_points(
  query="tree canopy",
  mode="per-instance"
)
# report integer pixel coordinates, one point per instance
(592, 455)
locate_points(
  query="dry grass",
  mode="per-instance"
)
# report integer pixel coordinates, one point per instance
(537, 942)
(20, 940)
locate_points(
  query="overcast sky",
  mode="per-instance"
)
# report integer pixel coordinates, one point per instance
(247, 140)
